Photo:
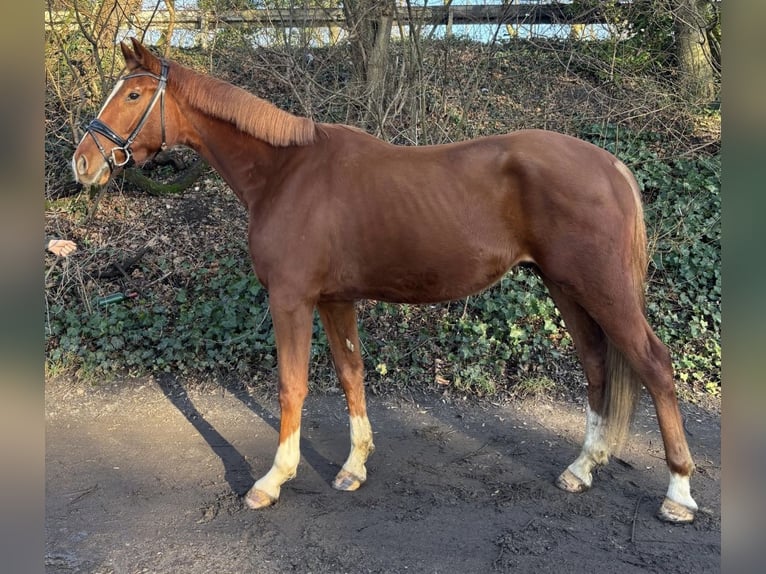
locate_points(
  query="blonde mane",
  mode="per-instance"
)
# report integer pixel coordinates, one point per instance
(249, 113)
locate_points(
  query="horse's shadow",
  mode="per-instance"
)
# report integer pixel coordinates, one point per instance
(237, 471)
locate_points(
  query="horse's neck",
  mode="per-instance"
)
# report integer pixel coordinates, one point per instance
(244, 162)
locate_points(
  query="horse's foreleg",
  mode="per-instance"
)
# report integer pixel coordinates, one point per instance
(339, 320)
(292, 329)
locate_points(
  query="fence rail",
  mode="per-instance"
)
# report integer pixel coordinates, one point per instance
(321, 17)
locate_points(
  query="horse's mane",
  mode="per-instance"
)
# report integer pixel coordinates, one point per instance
(249, 113)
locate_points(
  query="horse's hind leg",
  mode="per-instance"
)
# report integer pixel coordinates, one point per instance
(624, 328)
(650, 360)
(339, 320)
(591, 346)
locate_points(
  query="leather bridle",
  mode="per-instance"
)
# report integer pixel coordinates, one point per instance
(123, 145)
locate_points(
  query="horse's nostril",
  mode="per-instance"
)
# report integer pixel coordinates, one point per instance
(82, 164)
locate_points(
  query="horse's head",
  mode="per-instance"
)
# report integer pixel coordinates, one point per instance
(131, 123)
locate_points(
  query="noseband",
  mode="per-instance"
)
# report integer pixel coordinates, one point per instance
(98, 127)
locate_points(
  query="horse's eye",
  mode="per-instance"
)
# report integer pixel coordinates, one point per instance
(134, 95)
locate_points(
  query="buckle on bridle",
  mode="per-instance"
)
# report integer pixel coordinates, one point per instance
(128, 157)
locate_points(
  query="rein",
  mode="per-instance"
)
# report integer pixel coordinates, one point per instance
(98, 127)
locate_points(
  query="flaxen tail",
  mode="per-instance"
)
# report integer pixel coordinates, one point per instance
(623, 386)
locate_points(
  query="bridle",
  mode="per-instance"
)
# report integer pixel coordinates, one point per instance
(123, 145)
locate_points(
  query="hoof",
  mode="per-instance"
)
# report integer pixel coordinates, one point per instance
(256, 499)
(675, 513)
(346, 481)
(571, 483)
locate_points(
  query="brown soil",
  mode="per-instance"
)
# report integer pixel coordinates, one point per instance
(146, 475)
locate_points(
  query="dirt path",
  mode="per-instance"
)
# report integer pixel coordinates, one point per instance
(144, 476)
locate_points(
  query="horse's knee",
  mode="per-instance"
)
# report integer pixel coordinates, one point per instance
(291, 396)
(350, 372)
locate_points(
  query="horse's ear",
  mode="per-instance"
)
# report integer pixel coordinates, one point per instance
(130, 58)
(143, 56)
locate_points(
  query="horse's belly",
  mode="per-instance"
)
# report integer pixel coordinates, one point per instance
(424, 282)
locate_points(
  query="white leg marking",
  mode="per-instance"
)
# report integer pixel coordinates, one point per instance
(680, 492)
(594, 450)
(361, 446)
(284, 467)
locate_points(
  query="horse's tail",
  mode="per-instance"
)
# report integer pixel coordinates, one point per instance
(623, 385)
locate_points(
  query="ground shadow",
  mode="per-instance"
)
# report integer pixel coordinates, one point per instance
(237, 472)
(321, 465)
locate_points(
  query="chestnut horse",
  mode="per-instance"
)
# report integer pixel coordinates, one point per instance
(337, 215)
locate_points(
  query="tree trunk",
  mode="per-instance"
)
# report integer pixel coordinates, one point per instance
(167, 35)
(183, 181)
(694, 19)
(370, 23)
